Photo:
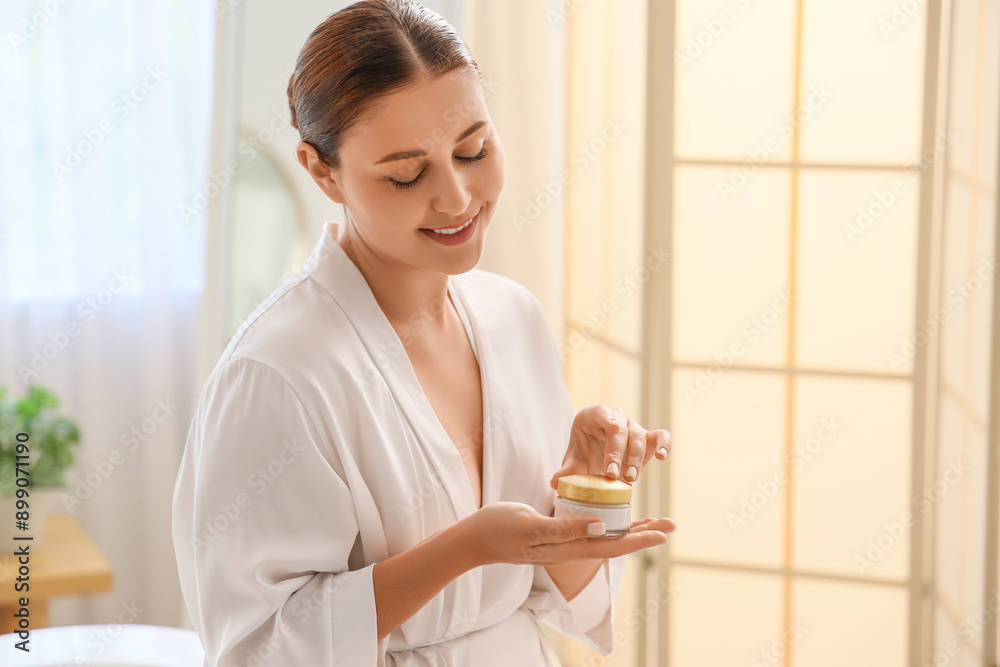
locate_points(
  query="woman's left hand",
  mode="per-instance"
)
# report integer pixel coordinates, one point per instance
(604, 441)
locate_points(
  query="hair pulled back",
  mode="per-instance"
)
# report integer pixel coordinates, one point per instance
(362, 52)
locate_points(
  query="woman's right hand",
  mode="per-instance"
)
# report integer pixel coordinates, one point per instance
(509, 532)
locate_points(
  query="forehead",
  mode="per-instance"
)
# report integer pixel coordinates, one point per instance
(424, 115)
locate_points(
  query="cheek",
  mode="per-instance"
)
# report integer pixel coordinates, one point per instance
(496, 176)
(386, 213)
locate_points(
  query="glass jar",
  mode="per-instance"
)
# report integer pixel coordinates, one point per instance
(595, 495)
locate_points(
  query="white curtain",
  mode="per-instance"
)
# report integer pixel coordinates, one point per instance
(105, 109)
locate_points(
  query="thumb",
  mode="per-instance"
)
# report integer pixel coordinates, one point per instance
(569, 528)
(570, 468)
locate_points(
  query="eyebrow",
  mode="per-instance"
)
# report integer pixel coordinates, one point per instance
(403, 155)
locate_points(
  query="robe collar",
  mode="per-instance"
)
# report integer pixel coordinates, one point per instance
(333, 269)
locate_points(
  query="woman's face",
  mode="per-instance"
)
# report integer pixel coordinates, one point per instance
(424, 157)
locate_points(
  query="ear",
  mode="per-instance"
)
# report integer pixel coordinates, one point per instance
(324, 176)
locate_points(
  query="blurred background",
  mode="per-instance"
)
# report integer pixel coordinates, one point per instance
(769, 226)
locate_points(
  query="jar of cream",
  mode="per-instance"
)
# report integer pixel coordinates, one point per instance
(595, 495)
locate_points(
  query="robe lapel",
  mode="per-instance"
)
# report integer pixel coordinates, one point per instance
(471, 317)
(348, 286)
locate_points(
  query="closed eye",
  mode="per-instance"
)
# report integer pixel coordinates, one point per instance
(400, 185)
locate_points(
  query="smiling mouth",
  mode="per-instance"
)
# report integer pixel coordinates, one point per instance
(451, 230)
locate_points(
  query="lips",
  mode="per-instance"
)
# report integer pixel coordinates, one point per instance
(454, 235)
(454, 226)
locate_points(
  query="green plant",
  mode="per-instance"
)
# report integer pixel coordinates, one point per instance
(52, 439)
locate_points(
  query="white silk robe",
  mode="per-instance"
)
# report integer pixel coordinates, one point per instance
(313, 454)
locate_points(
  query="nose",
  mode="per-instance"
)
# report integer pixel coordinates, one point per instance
(452, 192)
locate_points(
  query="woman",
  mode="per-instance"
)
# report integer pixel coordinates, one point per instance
(370, 470)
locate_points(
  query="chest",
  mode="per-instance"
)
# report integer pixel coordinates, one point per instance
(450, 378)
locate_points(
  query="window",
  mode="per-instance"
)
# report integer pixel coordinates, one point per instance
(107, 114)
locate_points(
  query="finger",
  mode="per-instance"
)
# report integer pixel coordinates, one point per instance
(651, 532)
(616, 441)
(569, 528)
(554, 480)
(635, 451)
(661, 441)
(663, 525)
(619, 546)
(571, 467)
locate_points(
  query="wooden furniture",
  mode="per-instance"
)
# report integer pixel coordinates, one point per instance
(68, 563)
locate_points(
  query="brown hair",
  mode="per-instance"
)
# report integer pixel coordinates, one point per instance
(366, 50)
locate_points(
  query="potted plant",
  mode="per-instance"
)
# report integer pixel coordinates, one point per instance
(51, 441)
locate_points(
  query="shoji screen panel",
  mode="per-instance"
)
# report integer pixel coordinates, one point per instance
(963, 602)
(795, 231)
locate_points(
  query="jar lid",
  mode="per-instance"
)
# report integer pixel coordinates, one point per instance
(595, 489)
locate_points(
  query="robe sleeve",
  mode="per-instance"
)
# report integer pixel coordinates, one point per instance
(263, 526)
(588, 616)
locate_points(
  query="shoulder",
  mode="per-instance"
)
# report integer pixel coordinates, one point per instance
(505, 296)
(513, 316)
(297, 320)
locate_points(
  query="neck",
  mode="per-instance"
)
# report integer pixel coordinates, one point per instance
(415, 301)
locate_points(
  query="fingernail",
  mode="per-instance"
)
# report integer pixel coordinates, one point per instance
(595, 528)
(613, 469)
(663, 450)
(631, 473)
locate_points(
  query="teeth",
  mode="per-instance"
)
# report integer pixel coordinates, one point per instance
(453, 231)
